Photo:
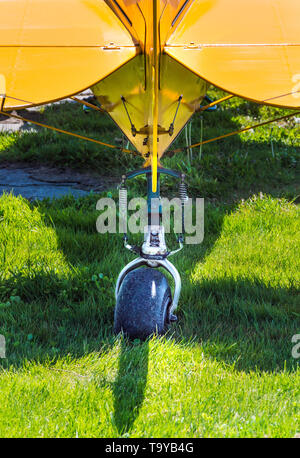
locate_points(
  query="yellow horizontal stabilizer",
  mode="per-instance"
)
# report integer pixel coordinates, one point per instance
(250, 48)
(50, 49)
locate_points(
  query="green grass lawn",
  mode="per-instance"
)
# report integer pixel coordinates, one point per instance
(226, 368)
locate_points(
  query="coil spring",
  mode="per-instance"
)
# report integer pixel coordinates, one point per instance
(183, 192)
(123, 210)
(123, 199)
(183, 195)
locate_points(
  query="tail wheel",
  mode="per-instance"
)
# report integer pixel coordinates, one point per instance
(143, 304)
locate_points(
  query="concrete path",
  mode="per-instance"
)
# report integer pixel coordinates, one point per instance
(40, 182)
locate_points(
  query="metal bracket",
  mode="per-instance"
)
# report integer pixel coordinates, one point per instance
(110, 47)
(167, 265)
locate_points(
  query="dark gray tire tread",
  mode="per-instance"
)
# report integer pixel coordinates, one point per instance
(143, 304)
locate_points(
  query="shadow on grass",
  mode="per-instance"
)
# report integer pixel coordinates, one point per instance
(242, 322)
(130, 384)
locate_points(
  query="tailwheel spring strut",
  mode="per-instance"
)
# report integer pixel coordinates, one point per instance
(123, 206)
(183, 195)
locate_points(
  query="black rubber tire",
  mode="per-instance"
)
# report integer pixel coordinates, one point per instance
(143, 303)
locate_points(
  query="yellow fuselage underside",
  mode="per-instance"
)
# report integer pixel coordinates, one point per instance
(130, 81)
